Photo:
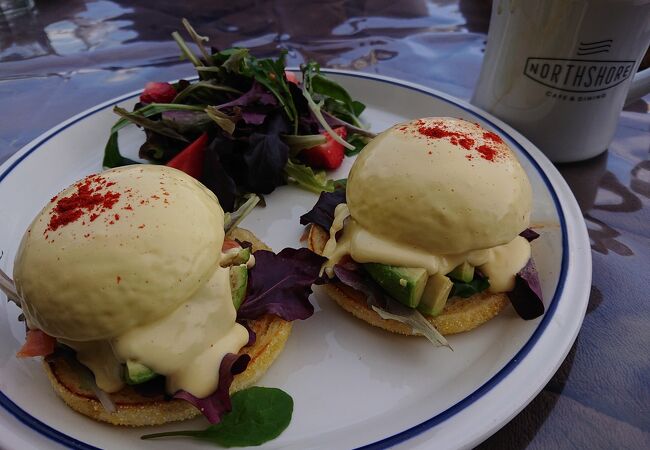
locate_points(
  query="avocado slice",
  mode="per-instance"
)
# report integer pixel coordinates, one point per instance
(238, 283)
(464, 272)
(404, 284)
(137, 373)
(434, 297)
(242, 257)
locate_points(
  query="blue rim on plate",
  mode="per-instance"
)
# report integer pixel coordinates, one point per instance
(409, 433)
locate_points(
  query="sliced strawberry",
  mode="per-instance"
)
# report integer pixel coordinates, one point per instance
(36, 343)
(158, 92)
(229, 244)
(328, 155)
(190, 159)
(291, 77)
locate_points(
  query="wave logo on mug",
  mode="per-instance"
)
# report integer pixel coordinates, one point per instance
(580, 75)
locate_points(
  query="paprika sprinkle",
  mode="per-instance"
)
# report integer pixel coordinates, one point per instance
(87, 198)
(485, 143)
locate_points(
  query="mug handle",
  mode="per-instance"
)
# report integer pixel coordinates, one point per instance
(640, 86)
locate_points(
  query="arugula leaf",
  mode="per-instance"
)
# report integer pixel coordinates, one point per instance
(198, 39)
(112, 156)
(327, 87)
(232, 219)
(258, 415)
(359, 143)
(297, 142)
(209, 85)
(309, 72)
(267, 72)
(305, 177)
(185, 50)
(226, 122)
(335, 99)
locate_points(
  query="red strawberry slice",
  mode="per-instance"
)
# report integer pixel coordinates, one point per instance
(158, 92)
(190, 159)
(328, 155)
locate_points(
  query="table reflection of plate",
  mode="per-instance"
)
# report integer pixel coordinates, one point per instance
(353, 385)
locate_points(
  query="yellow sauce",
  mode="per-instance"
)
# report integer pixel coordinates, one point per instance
(500, 263)
(141, 280)
(186, 346)
(422, 200)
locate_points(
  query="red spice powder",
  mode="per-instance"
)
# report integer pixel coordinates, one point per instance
(86, 198)
(487, 152)
(463, 140)
(493, 137)
(466, 143)
(437, 132)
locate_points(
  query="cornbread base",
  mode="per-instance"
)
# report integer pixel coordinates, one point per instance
(135, 409)
(459, 315)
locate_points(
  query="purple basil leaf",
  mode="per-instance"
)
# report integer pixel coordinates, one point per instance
(218, 403)
(323, 211)
(529, 234)
(281, 284)
(526, 297)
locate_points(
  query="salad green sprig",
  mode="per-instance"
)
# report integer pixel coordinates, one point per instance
(264, 128)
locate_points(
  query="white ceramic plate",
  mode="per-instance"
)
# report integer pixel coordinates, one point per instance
(353, 385)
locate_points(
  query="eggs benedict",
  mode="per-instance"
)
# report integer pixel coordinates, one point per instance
(432, 214)
(130, 272)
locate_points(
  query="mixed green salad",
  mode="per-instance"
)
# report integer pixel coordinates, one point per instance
(246, 125)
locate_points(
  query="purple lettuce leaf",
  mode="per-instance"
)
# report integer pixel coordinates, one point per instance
(214, 406)
(281, 284)
(526, 297)
(350, 274)
(257, 94)
(322, 213)
(266, 155)
(253, 117)
(216, 175)
(529, 234)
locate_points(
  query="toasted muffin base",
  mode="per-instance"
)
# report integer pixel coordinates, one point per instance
(459, 315)
(134, 409)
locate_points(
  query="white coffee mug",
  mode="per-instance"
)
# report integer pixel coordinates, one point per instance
(559, 70)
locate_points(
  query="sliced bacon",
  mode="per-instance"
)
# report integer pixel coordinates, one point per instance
(37, 343)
